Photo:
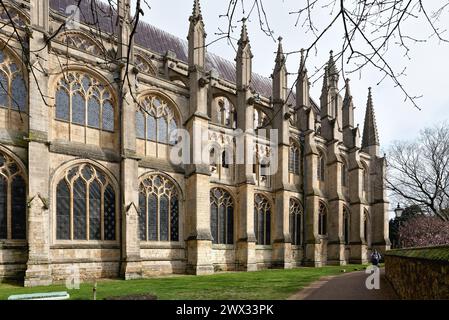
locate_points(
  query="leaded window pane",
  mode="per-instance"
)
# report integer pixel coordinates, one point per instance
(162, 130)
(151, 128)
(62, 105)
(164, 218)
(18, 208)
(214, 222)
(222, 224)
(142, 216)
(261, 221)
(78, 109)
(152, 217)
(93, 113)
(94, 211)
(62, 211)
(174, 216)
(172, 132)
(109, 214)
(4, 98)
(140, 125)
(108, 116)
(19, 93)
(3, 209)
(79, 210)
(268, 228)
(230, 225)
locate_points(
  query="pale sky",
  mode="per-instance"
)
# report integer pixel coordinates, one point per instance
(427, 71)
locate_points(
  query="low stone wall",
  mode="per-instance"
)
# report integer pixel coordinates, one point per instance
(419, 273)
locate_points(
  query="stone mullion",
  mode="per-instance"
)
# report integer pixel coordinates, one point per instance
(8, 210)
(102, 221)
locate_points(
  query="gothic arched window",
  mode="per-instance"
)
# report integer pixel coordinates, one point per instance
(159, 209)
(322, 220)
(295, 221)
(156, 121)
(83, 100)
(294, 159)
(321, 167)
(85, 205)
(262, 219)
(226, 114)
(13, 90)
(260, 119)
(346, 225)
(12, 200)
(221, 216)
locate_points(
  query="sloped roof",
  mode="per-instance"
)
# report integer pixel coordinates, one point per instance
(156, 40)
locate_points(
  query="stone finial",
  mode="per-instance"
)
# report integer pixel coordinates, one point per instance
(331, 66)
(244, 38)
(280, 57)
(196, 12)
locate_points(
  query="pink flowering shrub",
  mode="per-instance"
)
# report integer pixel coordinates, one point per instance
(423, 231)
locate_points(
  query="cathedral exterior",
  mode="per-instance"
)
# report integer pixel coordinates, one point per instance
(87, 185)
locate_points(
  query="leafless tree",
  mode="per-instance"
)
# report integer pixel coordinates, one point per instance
(368, 29)
(418, 171)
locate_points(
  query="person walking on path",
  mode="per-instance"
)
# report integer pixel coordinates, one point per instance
(375, 258)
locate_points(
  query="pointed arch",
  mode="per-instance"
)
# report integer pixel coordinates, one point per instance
(262, 219)
(20, 18)
(157, 118)
(222, 216)
(13, 196)
(322, 219)
(13, 80)
(82, 41)
(159, 216)
(144, 64)
(294, 161)
(296, 220)
(85, 98)
(86, 202)
(346, 225)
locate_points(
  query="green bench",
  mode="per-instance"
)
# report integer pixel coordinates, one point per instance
(63, 295)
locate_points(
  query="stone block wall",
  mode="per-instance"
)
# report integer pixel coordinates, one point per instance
(418, 276)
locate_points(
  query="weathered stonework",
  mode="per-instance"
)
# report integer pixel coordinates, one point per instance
(46, 148)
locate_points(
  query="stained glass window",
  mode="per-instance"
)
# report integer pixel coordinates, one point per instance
(162, 130)
(62, 211)
(262, 219)
(222, 216)
(161, 211)
(19, 93)
(12, 200)
(18, 208)
(151, 128)
(293, 160)
(159, 116)
(93, 113)
(3, 208)
(86, 194)
(13, 91)
(78, 109)
(75, 92)
(108, 116)
(295, 221)
(62, 105)
(95, 211)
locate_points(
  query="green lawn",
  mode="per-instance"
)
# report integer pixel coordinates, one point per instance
(267, 284)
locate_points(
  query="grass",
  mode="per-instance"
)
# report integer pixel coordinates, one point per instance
(260, 285)
(431, 253)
